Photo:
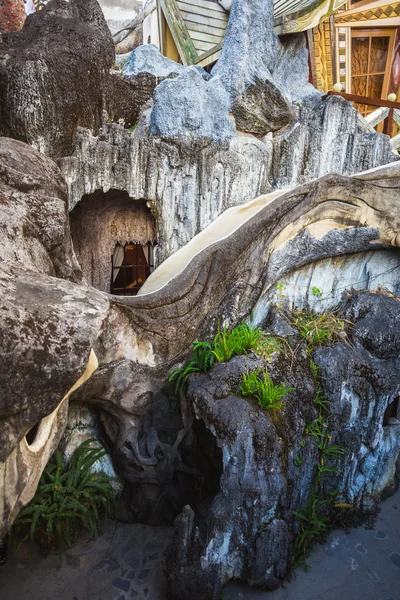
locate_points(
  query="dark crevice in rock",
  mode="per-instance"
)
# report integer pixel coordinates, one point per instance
(160, 476)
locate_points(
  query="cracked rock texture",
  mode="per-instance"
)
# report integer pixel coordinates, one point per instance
(248, 530)
(190, 109)
(189, 185)
(54, 330)
(54, 77)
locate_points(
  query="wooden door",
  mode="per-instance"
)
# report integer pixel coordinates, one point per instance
(371, 55)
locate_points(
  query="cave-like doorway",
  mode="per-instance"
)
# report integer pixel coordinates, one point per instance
(114, 238)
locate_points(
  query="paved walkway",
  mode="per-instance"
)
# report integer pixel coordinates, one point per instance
(122, 563)
(125, 562)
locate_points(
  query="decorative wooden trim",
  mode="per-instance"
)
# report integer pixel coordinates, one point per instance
(333, 48)
(206, 55)
(179, 31)
(365, 100)
(389, 11)
(306, 17)
(311, 54)
(323, 56)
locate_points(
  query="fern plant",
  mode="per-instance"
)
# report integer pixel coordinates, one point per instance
(69, 497)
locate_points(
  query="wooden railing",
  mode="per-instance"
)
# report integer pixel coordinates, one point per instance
(386, 111)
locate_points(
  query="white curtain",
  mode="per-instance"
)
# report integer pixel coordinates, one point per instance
(118, 259)
(29, 7)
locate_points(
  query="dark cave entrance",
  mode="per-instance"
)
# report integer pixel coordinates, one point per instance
(30, 435)
(391, 411)
(187, 474)
(114, 238)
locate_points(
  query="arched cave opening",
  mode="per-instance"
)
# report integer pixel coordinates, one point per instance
(114, 238)
(160, 476)
(391, 411)
(30, 435)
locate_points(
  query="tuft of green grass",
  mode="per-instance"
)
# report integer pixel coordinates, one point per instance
(228, 344)
(259, 384)
(272, 344)
(225, 345)
(314, 526)
(318, 329)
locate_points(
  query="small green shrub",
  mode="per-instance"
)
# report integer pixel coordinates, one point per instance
(316, 291)
(69, 497)
(225, 345)
(259, 384)
(318, 329)
(316, 517)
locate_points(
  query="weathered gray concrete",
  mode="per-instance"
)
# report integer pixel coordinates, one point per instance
(125, 562)
(356, 564)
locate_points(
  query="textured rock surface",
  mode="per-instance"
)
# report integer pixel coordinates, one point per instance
(127, 391)
(261, 108)
(261, 74)
(136, 342)
(188, 190)
(54, 76)
(249, 527)
(47, 327)
(361, 382)
(321, 284)
(190, 109)
(327, 137)
(249, 46)
(51, 74)
(148, 59)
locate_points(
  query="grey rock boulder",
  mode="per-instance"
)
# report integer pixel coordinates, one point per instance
(55, 76)
(48, 321)
(148, 59)
(249, 529)
(249, 46)
(51, 75)
(291, 71)
(261, 108)
(190, 109)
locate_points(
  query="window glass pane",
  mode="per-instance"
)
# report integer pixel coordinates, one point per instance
(359, 55)
(375, 85)
(130, 254)
(131, 265)
(359, 86)
(379, 53)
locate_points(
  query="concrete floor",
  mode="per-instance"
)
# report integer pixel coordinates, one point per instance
(125, 562)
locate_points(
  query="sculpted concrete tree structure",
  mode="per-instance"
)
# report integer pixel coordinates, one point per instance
(231, 238)
(225, 273)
